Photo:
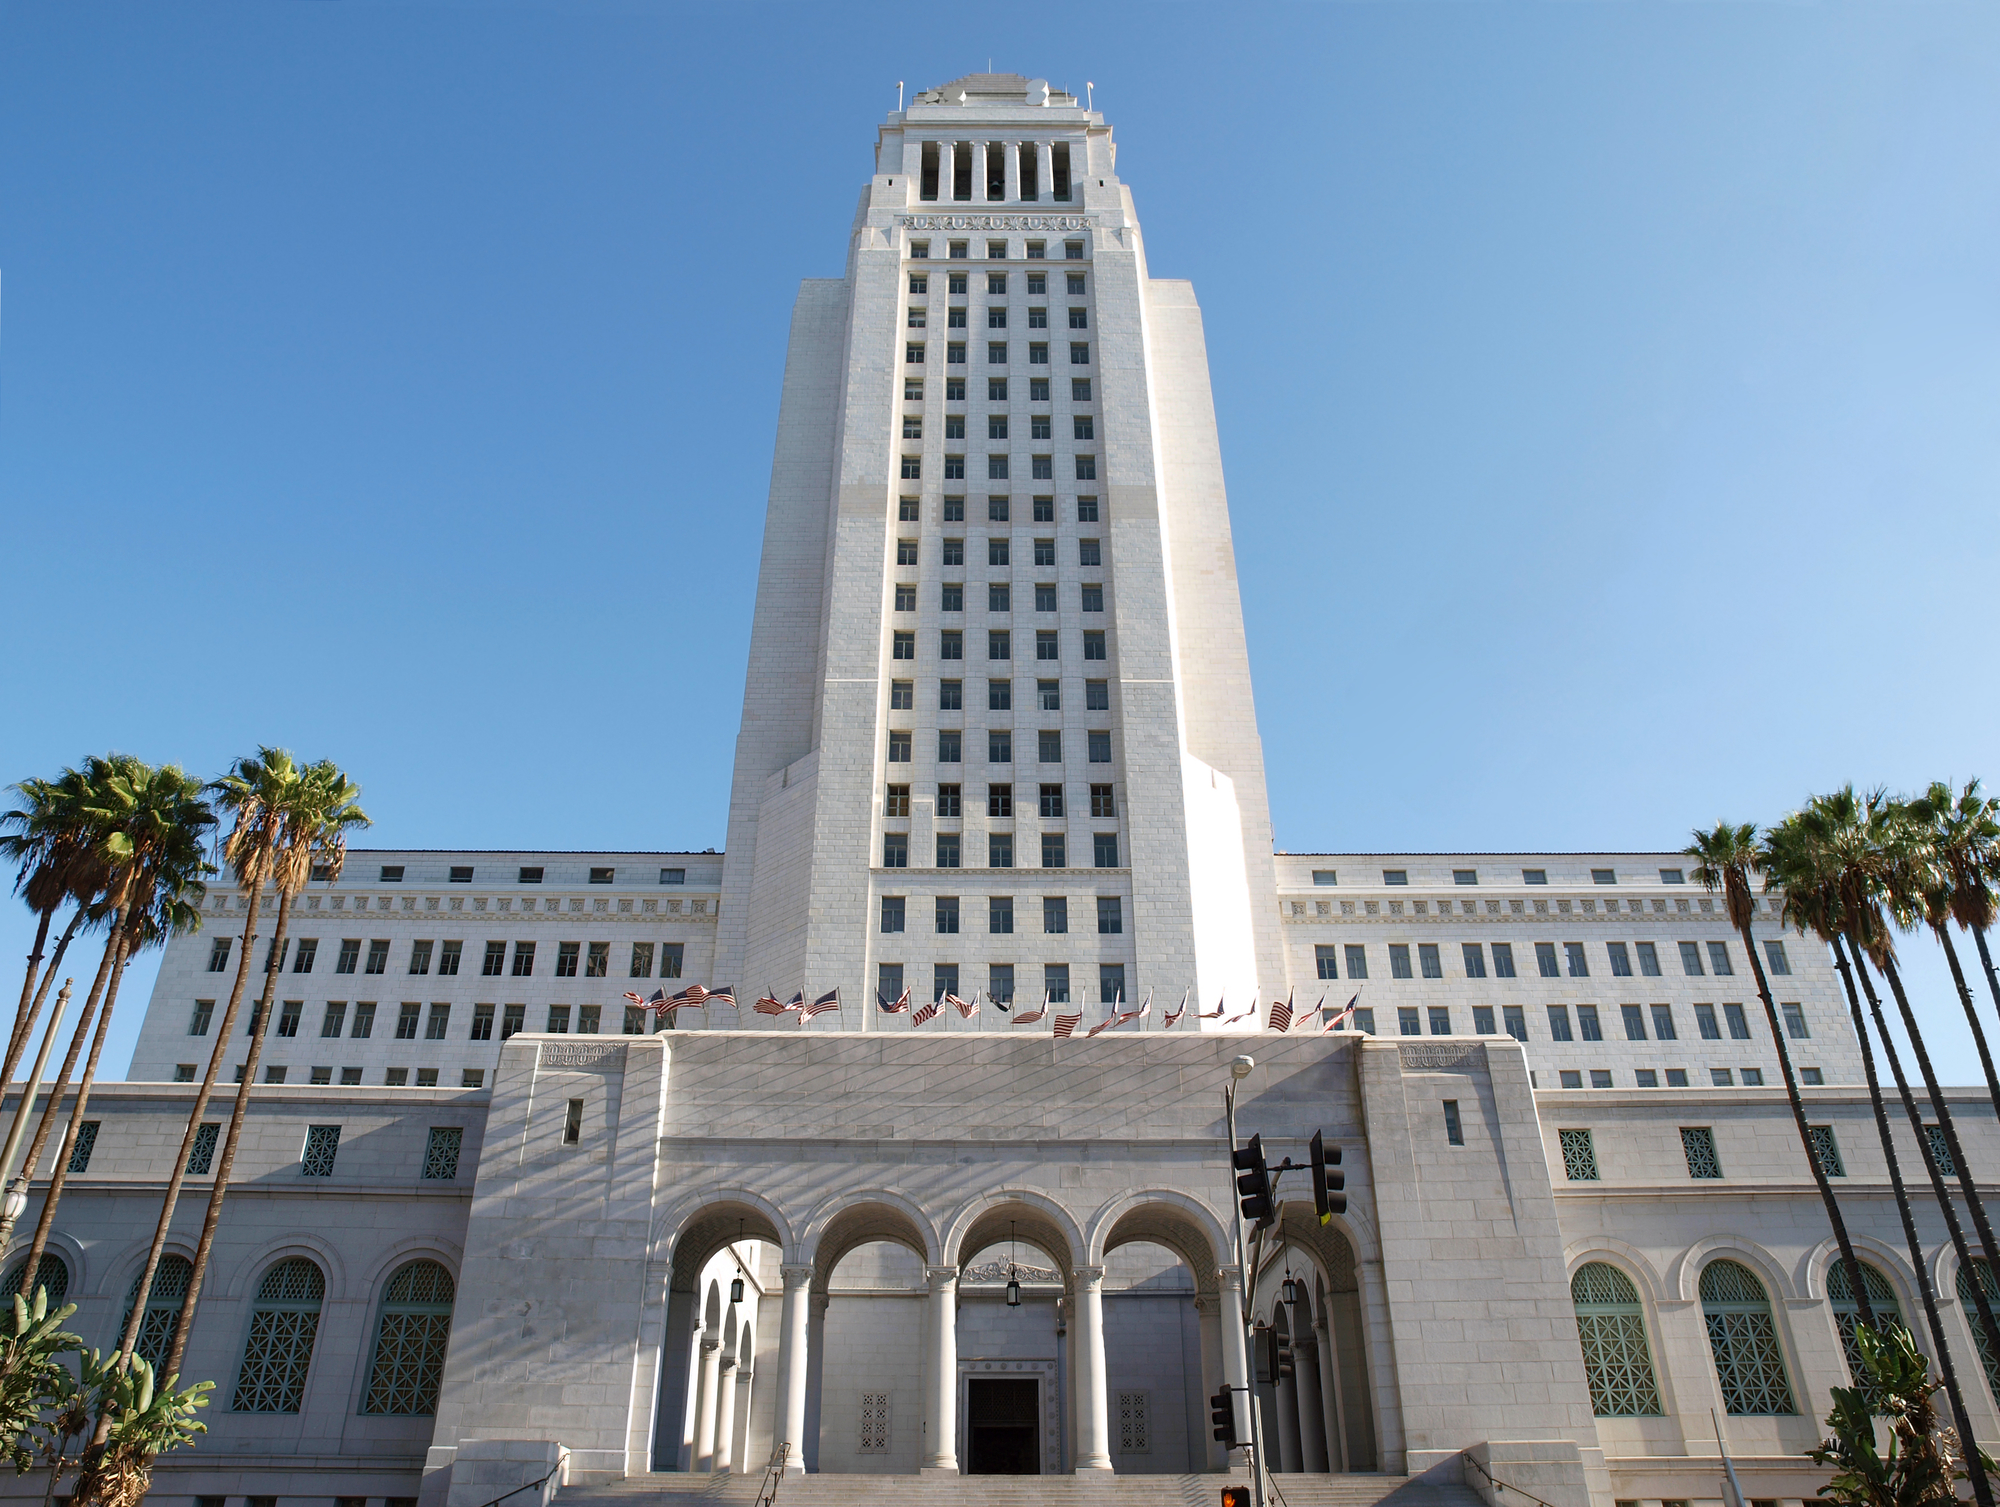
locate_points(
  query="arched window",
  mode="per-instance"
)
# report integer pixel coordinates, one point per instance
(1847, 1314)
(1986, 1356)
(279, 1351)
(163, 1307)
(1744, 1340)
(410, 1341)
(51, 1274)
(1611, 1326)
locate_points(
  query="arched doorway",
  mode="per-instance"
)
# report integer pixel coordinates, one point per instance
(1322, 1417)
(723, 1304)
(865, 1393)
(1163, 1317)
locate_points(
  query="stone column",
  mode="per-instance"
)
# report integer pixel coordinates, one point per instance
(725, 1415)
(1312, 1413)
(1093, 1413)
(704, 1404)
(792, 1353)
(1329, 1392)
(746, 1376)
(1235, 1350)
(1287, 1391)
(816, 1308)
(1012, 170)
(982, 170)
(972, 189)
(1209, 1310)
(941, 1432)
(1044, 170)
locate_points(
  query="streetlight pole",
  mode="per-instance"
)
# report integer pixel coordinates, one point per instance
(1238, 1070)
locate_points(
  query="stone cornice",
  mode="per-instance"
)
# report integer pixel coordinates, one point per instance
(971, 222)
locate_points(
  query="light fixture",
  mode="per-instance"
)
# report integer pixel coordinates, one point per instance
(1294, 1290)
(1013, 1273)
(736, 1285)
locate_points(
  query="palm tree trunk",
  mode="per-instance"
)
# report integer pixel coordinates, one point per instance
(1940, 1347)
(1867, 1314)
(1975, 1205)
(19, 1044)
(47, 1122)
(1971, 1015)
(21, 1017)
(129, 1341)
(1986, 962)
(1985, 1309)
(126, 946)
(213, 1215)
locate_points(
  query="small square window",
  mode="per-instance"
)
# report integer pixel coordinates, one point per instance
(1465, 876)
(461, 873)
(1395, 876)
(392, 873)
(1570, 1078)
(1534, 876)
(530, 875)
(1812, 1077)
(1325, 878)
(1672, 876)
(1600, 1077)
(1603, 876)
(1408, 1021)
(1677, 1077)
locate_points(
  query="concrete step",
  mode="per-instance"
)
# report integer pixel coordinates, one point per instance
(673, 1489)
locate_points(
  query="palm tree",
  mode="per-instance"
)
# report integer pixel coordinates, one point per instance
(1964, 838)
(155, 823)
(1798, 863)
(1726, 858)
(297, 819)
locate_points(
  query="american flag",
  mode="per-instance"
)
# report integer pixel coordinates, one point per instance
(966, 1008)
(664, 1004)
(726, 995)
(1067, 1023)
(1307, 1015)
(1030, 1019)
(925, 1013)
(1342, 1019)
(1281, 1014)
(658, 1001)
(769, 1004)
(827, 1001)
(1215, 1014)
(899, 1006)
(1175, 1019)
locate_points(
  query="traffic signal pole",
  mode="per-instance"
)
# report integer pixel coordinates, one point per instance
(1256, 1445)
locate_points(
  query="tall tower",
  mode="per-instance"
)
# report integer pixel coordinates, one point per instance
(998, 732)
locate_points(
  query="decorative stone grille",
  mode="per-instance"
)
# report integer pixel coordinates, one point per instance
(1611, 1328)
(163, 1307)
(1579, 1156)
(1698, 1142)
(1744, 1341)
(322, 1145)
(1133, 1435)
(1847, 1317)
(874, 1423)
(86, 1142)
(441, 1152)
(1827, 1149)
(201, 1155)
(1940, 1151)
(410, 1341)
(283, 1326)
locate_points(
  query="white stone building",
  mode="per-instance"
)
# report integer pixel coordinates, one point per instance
(488, 1218)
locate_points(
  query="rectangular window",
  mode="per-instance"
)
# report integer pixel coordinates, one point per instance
(1739, 1027)
(1427, 961)
(1038, 353)
(999, 746)
(906, 598)
(1482, 1020)
(1045, 554)
(1753, 1077)
(1559, 1023)
(892, 914)
(951, 695)
(889, 980)
(1534, 876)
(449, 954)
(895, 850)
(999, 800)
(1048, 743)
(1000, 915)
(1515, 1018)
(1691, 960)
(1440, 1020)
(899, 747)
(1089, 552)
(1649, 960)
(996, 350)
(1045, 598)
(947, 915)
(1663, 1023)
(1587, 1025)
(364, 1021)
(482, 1023)
(1503, 960)
(906, 551)
(218, 954)
(1579, 966)
(524, 959)
(528, 875)
(641, 964)
(947, 800)
(1055, 915)
(874, 1423)
(1105, 848)
(1327, 961)
(996, 468)
(1093, 644)
(947, 850)
(1100, 747)
(1465, 876)
(204, 1012)
(572, 1123)
(302, 960)
(998, 644)
(1355, 955)
(1635, 1022)
(1704, 1020)
(1475, 959)
(86, 1142)
(996, 551)
(288, 1017)
(1000, 850)
(1718, 959)
(951, 644)
(1399, 960)
(1795, 1022)
(1621, 960)
(1774, 955)
(1408, 1022)
(597, 960)
(1054, 851)
(1600, 1078)
(558, 1020)
(1101, 801)
(1047, 646)
(671, 954)
(406, 1021)
(566, 955)
(1721, 1077)
(1677, 1077)
(896, 800)
(1052, 800)
(350, 955)
(1055, 980)
(378, 956)
(1110, 916)
(998, 598)
(1079, 353)
(1578, 1154)
(435, 1026)
(1545, 960)
(1454, 1132)
(913, 352)
(1940, 1150)
(513, 1021)
(1645, 1077)
(1093, 598)
(334, 1018)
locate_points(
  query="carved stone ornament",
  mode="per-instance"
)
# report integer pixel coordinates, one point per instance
(1441, 1056)
(600, 1057)
(998, 222)
(998, 1271)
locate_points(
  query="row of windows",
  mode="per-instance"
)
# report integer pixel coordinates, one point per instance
(1040, 468)
(1000, 850)
(316, 1155)
(1000, 982)
(1000, 695)
(1471, 876)
(957, 284)
(996, 352)
(350, 1077)
(918, 315)
(1000, 914)
(1040, 426)
(1410, 1021)
(999, 509)
(997, 250)
(996, 392)
(1089, 552)
(1000, 641)
(999, 802)
(1572, 962)
(449, 954)
(410, 1016)
(1677, 1077)
(999, 598)
(461, 873)
(1000, 747)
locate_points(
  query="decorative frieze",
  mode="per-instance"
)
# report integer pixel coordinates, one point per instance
(998, 222)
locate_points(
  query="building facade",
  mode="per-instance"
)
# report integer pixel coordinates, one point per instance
(492, 1220)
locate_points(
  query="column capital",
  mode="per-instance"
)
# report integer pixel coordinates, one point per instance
(1231, 1278)
(941, 1277)
(1089, 1276)
(709, 1342)
(796, 1276)
(729, 1360)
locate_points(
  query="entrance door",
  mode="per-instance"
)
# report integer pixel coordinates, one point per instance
(1002, 1426)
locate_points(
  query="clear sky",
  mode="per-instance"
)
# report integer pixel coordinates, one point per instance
(1610, 395)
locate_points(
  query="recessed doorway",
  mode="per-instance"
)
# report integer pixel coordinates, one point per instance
(1003, 1426)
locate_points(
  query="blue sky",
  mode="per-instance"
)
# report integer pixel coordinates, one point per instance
(1610, 395)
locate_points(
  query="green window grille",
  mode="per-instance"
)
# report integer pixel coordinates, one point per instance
(163, 1307)
(1847, 1316)
(1987, 1358)
(283, 1326)
(1579, 1156)
(1698, 1143)
(1827, 1149)
(1611, 1327)
(1940, 1151)
(86, 1143)
(322, 1146)
(1744, 1340)
(441, 1152)
(51, 1274)
(410, 1341)
(201, 1156)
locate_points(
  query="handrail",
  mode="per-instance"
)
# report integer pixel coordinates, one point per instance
(1499, 1485)
(774, 1475)
(527, 1485)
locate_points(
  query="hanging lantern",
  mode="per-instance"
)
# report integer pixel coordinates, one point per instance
(1295, 1290)
(736, 1282)
(736, 1290)
(1013, 1291)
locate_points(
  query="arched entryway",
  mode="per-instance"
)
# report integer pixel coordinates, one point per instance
(1322, 1416)
(721, 1336)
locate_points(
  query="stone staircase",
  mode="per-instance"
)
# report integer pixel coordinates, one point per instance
(668, 1489)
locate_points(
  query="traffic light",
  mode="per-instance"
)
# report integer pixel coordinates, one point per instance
(1222, 1412)
(1253, 1182)
(1236, 1496)
(1328, 1180)
(1274, 1357)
